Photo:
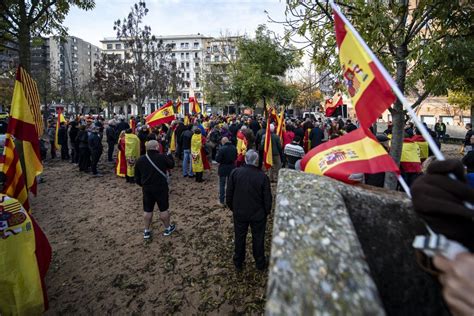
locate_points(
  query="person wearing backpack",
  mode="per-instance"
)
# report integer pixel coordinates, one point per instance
(151, 175)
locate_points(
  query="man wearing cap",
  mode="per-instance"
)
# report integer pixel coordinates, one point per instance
(151, 174)
(249, 197)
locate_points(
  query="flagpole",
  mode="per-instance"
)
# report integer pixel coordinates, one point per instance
(404, 185)
(434, 148)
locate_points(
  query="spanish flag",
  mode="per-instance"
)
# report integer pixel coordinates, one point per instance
(133, 124)
(267, 148)
(186, 119)
(26, 124)
(25, 257)
(410, 161)
(281, 125)
(355, 152)
(241, 146)
(306, 140)
(370, 93)
(332, 104)
(163, 115)
(14, 185)
(196, 108)
(178, 105)
(423, 145)
(60, 120)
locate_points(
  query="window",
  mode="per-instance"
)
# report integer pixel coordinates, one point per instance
(187, 84)
(187, 75)
(172, 54)
(89, 46)
(214, 48)
(182, 65)
(448, 120)
(187, 65)
(185, 96)
(196, 75)
(196, 45)
(198, 95)
(118, 46)
(196, 55)
(428, 119)
(182, 45)
(88, 53)
(182, 55)
(109, 46)
(187, 55)
(196, 65)
(197, 84)
(125, 45)
(216, 58)
(74, 39)
(186, 45)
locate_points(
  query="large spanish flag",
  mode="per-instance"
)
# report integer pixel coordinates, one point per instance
(26, 124)
(267, 148)
(60, 120)
(163, 115)
(355, 152)
(14, 185)
(370, 93)
(25, 257)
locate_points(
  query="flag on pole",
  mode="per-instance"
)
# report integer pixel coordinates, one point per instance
(196, 108)
(281, 125)
(267, 148)
(178, 105)
(370, 93)
(26, 124)
(332, 104)
(60, 120)
(163, 115)
(355, 152)
(26, 256)
(14, 185)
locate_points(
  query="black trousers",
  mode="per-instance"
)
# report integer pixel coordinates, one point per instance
(64, 152)
(110, 153)
(75, 153)
(199, 176)
(260, 158)
(84, 159)
(258, 242)
(53, 150)
(95, 157)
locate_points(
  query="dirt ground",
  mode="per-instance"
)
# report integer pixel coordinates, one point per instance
(101, 264)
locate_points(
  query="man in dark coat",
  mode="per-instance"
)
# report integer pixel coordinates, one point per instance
(179, 141)
(112, 139)
(84, 153)
(95, 147)
(62, 140)
(249, 197)
(154, 185)
(316, 136)
(226, 156)
(350, 126)
(122, 126)
(73, 130)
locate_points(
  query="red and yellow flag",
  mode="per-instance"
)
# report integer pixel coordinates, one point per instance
(241, 146)
(423, 145)
(370, 93)
(196, 108)
(60, 120)
(178, 105)
(163, 115)
(26, 124)
(14, 185)
(133, 124)
(267, 148)
(410, 160)
(26, 255)
(332, 104)
(281, 125)
(355, 152)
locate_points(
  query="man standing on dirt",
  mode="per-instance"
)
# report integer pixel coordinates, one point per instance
(151, 175)
(249, 196)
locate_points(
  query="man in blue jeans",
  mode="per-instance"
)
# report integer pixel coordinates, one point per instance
(187, 159)
(226, 157)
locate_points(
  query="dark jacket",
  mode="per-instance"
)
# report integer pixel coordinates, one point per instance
(73, 133)
(95, 144)
(83, 139)
(179, 131)
(62, 135)
(350, 127)
(316, 136)
(254, 126)
(111, 135)
(258, 138)
(122, 126)
(467, 138)
(468, 161)
(248, 194)
(147, 176)
(186, 139)
(226, 156)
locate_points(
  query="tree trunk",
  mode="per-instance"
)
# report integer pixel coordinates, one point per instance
(398, 116)
(24, 38)
(472, 113)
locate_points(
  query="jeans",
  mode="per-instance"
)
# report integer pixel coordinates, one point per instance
(187, 163)
(222, 183)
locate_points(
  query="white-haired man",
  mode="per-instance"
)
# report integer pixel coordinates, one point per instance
(151, 175)
(249, 197)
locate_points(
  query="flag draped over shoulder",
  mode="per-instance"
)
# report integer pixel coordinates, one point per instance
(163, 115)
(25, 124)
(60, 120)
(370, 93)
(14, 185)
(241, 147)
(26, 255)
(423, 145)
(267, 148)
(410, 160)
(355, 152)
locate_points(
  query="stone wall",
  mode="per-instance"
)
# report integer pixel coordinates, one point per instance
(340, 249)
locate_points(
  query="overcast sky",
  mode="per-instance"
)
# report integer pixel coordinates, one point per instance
(177, 17)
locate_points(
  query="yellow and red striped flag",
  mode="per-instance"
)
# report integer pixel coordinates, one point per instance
(332, 104)
(410, 160)
(281, 125)
(423, 144)
(164, 114)
(241, 146)
(178, 105)
(267, 148)
(60, 120)
(14, 185)
(355, 152)
(370, 93)
(196, 108)
(26, 256)
(26, 124)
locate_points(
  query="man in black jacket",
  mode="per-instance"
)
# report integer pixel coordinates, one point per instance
(187, 159)
(73, 130)
(62, 140)
(226, 157)
(316, 136)
(154, 185)
(95, 147)
(249, 196)
(112, 139)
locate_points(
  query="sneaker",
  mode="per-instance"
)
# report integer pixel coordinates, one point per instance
(169, 230)
(147, 235)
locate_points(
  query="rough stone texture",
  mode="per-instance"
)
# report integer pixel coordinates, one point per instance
(322, 232)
